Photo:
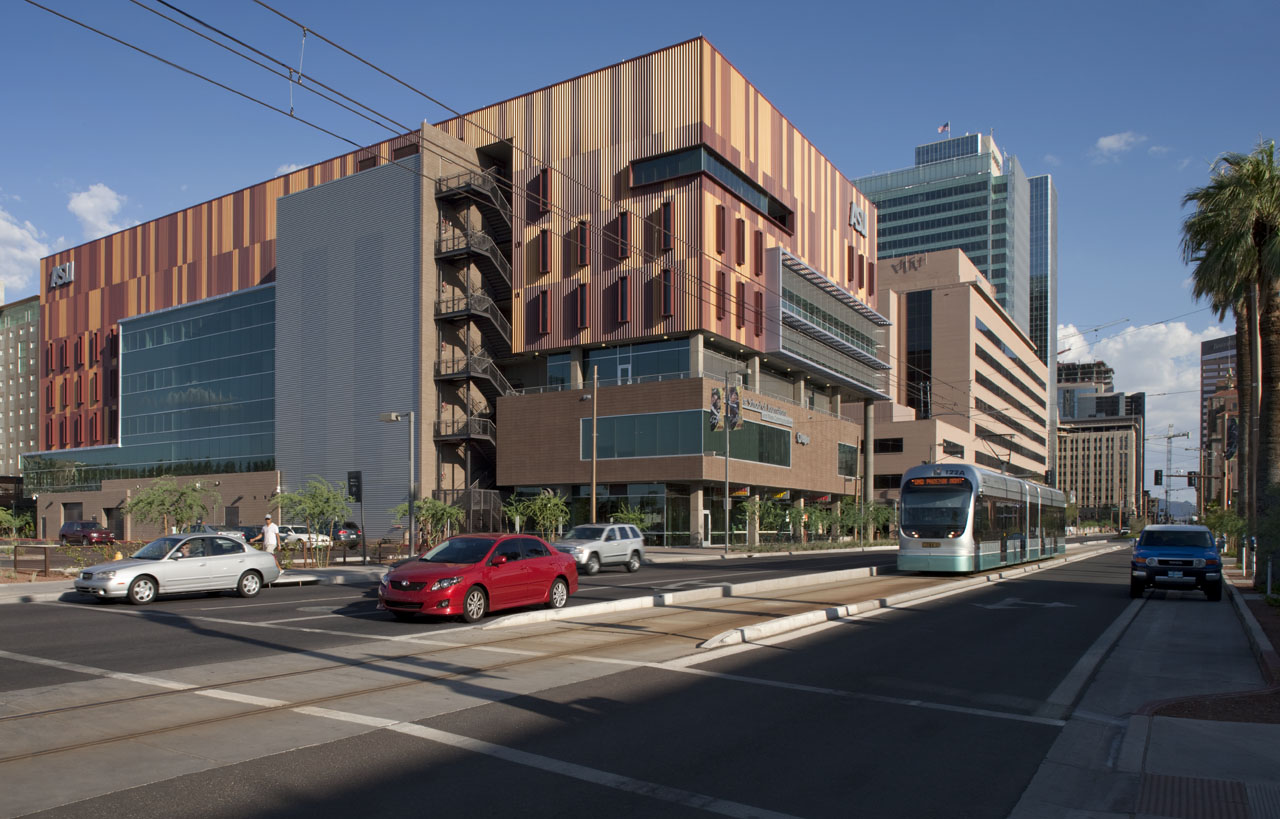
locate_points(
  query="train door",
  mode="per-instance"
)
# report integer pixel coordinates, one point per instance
(1033, 521)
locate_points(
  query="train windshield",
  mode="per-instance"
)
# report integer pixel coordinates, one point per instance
(936, 507)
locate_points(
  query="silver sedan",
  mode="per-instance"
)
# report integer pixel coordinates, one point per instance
(181, 563)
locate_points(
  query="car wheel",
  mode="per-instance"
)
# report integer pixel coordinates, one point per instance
(633, 562)
(65, 542)
(474, 605)
(559, 594)
(1214, 591)
(1136, 588)
(593, 565)
(402, 616)
(142, 591)
(249, 585)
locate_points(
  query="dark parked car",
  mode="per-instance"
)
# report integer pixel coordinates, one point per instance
(1176, 557)
(82, 532)
(346, 534)
(469, 575)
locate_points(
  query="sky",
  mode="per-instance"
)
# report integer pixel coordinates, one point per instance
(1127, 103)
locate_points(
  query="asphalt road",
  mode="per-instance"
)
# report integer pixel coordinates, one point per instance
(942, 708)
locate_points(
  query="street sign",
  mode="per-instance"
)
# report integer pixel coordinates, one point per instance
(355, 485)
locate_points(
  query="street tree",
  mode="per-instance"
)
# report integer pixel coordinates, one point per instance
(320, 505)
(168, 502)
(548, 512)
(516, 510)
(434, 518)
(14, 523)
(630, 515)
(1233, 239)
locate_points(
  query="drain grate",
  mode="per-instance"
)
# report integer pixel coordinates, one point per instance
(1185, 797)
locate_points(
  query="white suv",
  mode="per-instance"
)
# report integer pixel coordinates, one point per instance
(602, 544)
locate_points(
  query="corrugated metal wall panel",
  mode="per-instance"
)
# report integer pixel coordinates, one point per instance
(347, 337)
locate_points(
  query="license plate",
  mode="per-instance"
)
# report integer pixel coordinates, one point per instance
(1175, 574)
(931, 544)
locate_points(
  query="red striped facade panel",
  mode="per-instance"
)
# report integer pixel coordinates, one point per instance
(582, 135)
(209, 249)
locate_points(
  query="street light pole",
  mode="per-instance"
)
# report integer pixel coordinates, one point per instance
(391, 417)
(595, 390)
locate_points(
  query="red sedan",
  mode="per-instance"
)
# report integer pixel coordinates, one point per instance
(470, 575)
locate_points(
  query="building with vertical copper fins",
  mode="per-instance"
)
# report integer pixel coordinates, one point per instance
(588, 279)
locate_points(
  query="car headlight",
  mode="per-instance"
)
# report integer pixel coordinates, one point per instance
(445, 582)
(1151, 561)
(383, 580)
(111, 573)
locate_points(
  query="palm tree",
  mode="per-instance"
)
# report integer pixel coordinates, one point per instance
(1233, 239)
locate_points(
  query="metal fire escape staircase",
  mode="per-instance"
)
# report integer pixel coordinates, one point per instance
(476, 429)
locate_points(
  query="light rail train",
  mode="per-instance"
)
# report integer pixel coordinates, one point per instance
(962, 518)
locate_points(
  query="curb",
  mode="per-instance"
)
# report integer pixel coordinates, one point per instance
(677, 598)
(1263, 651)
(782, 624)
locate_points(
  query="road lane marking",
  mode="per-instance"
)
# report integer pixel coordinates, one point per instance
(97, 672)
(878, 698)
(278, 603)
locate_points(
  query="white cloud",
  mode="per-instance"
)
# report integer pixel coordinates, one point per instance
(21, 250)
(1162, 360)
(290, 168)
(96, 209)
(1182, 166)
(1154, 150)
(1109, 148)
(1049, 159)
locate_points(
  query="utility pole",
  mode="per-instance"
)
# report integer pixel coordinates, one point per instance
(1168, 459)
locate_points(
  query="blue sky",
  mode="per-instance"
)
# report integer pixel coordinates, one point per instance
(1127, 103)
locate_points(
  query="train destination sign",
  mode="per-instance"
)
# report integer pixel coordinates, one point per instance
(938, 482)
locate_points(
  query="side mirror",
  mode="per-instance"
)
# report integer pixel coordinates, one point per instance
(498, 560)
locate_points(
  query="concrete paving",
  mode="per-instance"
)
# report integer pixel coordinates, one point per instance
(1111, 759)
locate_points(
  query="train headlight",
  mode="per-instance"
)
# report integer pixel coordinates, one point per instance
(955, 533)
(911, 532)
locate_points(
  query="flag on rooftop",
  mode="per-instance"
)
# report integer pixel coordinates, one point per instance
(946, 126)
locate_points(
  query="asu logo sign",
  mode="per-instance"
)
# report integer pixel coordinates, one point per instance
(62, 274)
(857, 218)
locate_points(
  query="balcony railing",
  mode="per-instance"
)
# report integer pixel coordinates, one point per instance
(478, 304)
(476, 364)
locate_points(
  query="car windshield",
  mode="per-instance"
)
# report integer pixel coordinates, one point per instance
(1187, 539)
(585, 533)
(459, 550)
(157, 549)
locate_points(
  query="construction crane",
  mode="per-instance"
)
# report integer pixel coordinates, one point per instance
(1168, 459)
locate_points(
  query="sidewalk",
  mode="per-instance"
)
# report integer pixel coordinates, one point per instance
(1120, 755)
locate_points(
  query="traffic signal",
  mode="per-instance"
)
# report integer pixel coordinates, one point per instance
(1159, 477)
(1192, 477)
